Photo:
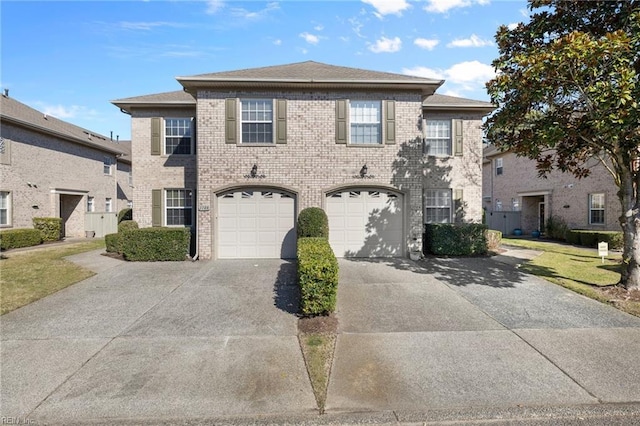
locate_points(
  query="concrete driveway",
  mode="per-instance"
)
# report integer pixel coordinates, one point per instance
(440, 340)
(164, 341)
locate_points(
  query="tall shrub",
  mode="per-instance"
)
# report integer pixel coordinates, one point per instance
(50, 227)
(313, 222)
(556, 228)
(317, 276)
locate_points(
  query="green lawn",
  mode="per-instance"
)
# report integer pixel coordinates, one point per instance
(31, 275)
(579, 269)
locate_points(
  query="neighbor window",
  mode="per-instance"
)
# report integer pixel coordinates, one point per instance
(178, 136)
(178, 207)
(108, 205)
(498, 205)
(499, 166)
(438, 138)
(596, 209)
(437, 206)
(515, 204)
(90, 204)
(257, 121)
(106, 165)
(366, 127)
(5, 208)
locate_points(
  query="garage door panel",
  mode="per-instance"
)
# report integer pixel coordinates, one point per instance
(365, 223)
(256, 224)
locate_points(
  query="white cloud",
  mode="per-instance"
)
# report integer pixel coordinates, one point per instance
(213, 6)
(356, 26)
(388, 7)
(66, 112)
(473, 41)
(425, 43)
(246, 14)
(465, 76)
(443, 6)
(277, 42)
(310, 38)
(318, 28)
(512, 26)
(387, 45)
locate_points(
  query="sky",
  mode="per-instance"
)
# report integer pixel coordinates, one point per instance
(70, 59)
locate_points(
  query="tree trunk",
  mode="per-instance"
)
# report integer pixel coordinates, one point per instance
(630, 221)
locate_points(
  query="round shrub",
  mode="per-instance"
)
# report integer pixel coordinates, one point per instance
(127, 225)
(313, 222)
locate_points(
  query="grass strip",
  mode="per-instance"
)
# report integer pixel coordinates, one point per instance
(31, 275)
(318, 349)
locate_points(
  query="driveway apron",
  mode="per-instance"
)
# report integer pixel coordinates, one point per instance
(453, 334)
(164, 340)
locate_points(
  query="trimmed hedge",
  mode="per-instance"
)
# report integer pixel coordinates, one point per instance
(16, 238)
(455, 239)
(592, 238)
(127, 225)
(125, 214)
(312, 222)
(155, 244)
(317, 276)
(494, 239)
(113, 241)
(50, 227)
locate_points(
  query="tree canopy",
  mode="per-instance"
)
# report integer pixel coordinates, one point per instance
(567, 90)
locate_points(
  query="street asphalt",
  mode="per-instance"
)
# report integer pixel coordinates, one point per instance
(438, 341)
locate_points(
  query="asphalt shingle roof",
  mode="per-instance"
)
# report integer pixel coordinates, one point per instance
(437, 100)
(178, 96)
(18, 113)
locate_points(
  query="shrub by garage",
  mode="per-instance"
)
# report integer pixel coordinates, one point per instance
(50, 227)
(312, 222)
(16, 238)
(445, 239)
(155, 244)
(317, 276)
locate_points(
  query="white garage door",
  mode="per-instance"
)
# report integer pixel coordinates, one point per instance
(365, 223)
(256, 224)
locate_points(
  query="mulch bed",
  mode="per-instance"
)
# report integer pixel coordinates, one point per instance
(318, 325)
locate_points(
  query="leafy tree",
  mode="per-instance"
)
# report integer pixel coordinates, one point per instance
(568, 92)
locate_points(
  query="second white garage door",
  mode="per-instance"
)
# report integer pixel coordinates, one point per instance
(365, 223)
(256, 224)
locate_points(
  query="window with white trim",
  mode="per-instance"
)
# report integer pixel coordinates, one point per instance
(438, 138)
(178, 207)
(108, 205)
(90, 204)
(515, 204)
(130, 177)
(499, 168)
(596, 209)
(257, 121)
(5, 208)
(498, 205)
(106, 165)
(178, 136)
(365, 122)
(437, 206)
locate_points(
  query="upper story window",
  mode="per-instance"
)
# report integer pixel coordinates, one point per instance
(438, 138)
(365, 120)
(437, 206)
(5, 208)
(596, 209)
(178, 136)
(499, 168)
(257, 121)
(106, 165)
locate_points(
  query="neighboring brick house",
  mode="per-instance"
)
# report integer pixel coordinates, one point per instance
(51, 168)
(236, 155)
(511, 184)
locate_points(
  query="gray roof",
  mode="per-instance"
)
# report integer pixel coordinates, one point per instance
(176, 98)
(309, 71)
(309, 75)
(17, 113)
(443, 102)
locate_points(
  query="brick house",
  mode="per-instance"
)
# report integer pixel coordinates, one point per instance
(515, 197)
(51, 168)
(236, 155)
